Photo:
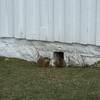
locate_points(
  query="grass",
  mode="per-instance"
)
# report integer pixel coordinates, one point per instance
(22, 80)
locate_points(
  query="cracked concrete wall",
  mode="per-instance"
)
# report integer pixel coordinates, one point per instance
(76, 54)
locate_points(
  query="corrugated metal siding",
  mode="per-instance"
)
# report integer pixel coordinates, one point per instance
(67, 21)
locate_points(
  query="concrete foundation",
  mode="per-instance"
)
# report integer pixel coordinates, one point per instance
(74, 54)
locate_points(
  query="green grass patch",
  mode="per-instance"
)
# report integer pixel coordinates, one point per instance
(22, 80)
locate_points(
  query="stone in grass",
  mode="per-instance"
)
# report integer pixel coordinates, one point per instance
(43, 61)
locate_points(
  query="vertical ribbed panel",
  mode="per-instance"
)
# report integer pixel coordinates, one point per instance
(44, 19)
(84, 22)
(59, 20)
(51, 20)
(98, 24)
(19, 19)
(10, 17)
(3, 19)
(69, 21)
(32, 19)
(76, 21)
(91, 21)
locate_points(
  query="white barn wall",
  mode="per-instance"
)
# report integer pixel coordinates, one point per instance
(66, 21)
(98, 23)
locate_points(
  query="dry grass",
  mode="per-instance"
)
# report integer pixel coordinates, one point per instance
(22, 80)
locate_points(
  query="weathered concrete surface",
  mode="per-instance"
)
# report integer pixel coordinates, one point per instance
(74, 53)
